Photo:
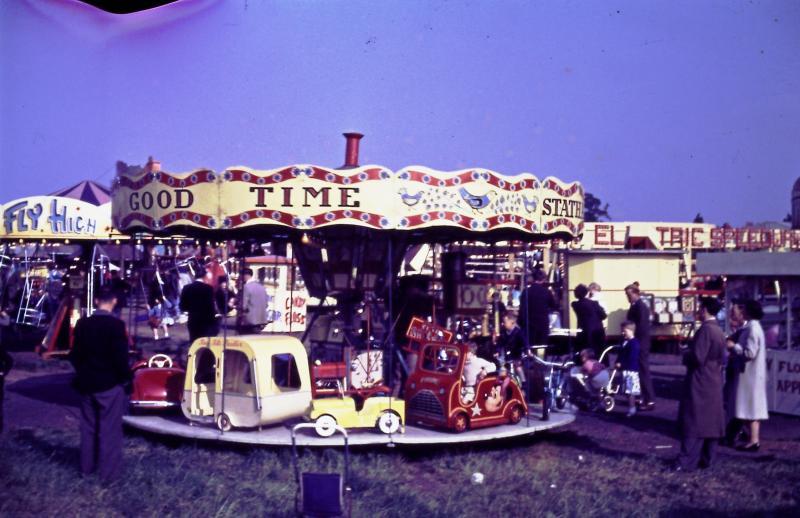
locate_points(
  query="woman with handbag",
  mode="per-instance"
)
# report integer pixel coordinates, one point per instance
(751, 391)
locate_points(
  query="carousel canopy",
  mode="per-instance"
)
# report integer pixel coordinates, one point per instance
(416, 201)
(88, 191)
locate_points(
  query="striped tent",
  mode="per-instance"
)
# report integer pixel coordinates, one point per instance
(87, 191)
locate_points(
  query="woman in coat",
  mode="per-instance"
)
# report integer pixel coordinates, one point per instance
(590, 320)
(751, 392)
(700, 415)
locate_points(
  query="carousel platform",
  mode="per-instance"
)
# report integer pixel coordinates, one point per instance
(279, 435)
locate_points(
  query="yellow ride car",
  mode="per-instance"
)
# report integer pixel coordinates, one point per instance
(387, 414)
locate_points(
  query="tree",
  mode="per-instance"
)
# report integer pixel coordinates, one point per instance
(699, 218)
(593, 209)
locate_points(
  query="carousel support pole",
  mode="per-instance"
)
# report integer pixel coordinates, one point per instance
(90, 282)
(390, 307)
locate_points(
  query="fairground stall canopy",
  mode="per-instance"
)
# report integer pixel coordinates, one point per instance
(78, 212)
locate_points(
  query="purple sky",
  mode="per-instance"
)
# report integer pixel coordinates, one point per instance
(662, 109)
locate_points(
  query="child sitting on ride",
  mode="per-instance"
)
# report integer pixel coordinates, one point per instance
(628, 362)
(156, 317)
(475, 369)
(592, 374)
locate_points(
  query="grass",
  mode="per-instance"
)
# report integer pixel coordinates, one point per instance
(538, 477)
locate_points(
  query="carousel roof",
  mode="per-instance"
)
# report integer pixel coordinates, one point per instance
(417, 201)
(88, 191)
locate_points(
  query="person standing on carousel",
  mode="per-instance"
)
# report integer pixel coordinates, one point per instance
(535, 305)
(254, 304)
(639, 314)
(197, 299)
(701, 416)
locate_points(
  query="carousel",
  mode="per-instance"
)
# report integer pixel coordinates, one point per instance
(355, 366)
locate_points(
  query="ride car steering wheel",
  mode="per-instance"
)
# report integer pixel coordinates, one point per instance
(162, 361)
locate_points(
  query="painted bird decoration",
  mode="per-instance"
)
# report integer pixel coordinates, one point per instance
(530, 205)
(476, 202)
(409, 199)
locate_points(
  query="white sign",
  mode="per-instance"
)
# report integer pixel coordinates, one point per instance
(286, 311)
(783, 382)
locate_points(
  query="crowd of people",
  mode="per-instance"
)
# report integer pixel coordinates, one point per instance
(723, 398)
(725, 385)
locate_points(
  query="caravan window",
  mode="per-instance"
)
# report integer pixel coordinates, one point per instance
(284, 372)
(236, 372)
(205, 368)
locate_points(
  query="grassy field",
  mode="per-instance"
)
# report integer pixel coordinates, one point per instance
(556, 474)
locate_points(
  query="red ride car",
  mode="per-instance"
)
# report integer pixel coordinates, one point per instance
(157, 383)
(433, 393)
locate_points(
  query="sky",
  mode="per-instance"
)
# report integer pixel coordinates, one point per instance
(662, 109)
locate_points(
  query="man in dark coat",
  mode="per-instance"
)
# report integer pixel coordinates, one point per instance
(701, 415)
(590, 320)
(639, 314)
(535, 305)
(100, 358)
(197, 299)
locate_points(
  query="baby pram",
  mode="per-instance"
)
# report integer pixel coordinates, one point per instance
(564, 382)
(596, 392)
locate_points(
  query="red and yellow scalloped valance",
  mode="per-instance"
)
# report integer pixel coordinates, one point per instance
(309, 197)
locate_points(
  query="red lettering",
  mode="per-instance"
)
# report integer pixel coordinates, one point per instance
(696, 241)
(663, 231)
(675, 236)
(600, 235)
(717, 238)
(615, 242)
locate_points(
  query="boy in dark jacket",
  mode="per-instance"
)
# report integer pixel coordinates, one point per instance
(628, 362)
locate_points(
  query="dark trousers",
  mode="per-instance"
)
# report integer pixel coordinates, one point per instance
(697, 452)
(645, 379)
(101, 432)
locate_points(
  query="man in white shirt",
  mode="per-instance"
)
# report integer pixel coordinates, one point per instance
(254, 304)
(475, 369)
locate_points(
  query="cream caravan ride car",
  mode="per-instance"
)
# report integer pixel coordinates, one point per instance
(246, 381)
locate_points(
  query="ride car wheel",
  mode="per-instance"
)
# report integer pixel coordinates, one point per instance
(608, 403)
(460, 423)
(561, 402)
(389, 422)
(325, 425)
(224, 423)
(515, 415)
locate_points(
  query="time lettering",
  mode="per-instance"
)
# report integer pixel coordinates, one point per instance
(322, 197)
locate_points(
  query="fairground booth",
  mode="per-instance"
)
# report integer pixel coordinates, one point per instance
(55, 253)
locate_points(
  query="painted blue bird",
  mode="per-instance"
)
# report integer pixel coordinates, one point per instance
(409, 199)
(530, 205)
(476, 202)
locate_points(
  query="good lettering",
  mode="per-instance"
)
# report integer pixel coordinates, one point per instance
(163, 199)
